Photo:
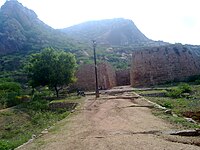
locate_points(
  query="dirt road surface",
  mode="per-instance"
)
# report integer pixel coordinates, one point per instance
(119, 122)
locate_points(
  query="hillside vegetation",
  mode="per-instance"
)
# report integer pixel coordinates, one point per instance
(21, 30)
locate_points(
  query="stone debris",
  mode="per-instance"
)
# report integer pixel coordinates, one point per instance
(190, 120)
(168, 111)
(45, 131)
(186, 132)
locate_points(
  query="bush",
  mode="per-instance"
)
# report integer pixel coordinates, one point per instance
(179, 91)
(185, 88)
(10, 86)
(197, 81)
(12, 99)
(167, 104)
(6, 80)
(37, 105)
(174, 93)
(8, 94)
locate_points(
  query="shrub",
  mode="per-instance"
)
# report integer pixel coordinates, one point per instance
(37, 105)
(8, 93)
(174, 93)
(179, 91)
(167, 104)
(6, 80)
(12, 99)
(10, 86)
(185, 88)
(197, 81)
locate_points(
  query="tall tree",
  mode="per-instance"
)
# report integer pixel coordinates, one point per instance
(52, 68)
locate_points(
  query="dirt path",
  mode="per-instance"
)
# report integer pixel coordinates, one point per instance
(110, 123)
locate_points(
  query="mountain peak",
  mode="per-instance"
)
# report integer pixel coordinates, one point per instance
(12, 8)
(117, 31)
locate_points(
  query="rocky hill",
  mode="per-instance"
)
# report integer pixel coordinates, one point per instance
(118, 32)
(116, 39)
(21, 30)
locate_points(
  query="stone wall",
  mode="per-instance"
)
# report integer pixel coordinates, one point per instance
(107, 76)
(123, 77)
(163, 64)
(86, 77)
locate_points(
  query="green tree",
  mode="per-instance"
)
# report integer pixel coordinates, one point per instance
(52, 68)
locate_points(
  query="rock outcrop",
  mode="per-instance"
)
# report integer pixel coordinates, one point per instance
(117, 31)
(164, 64)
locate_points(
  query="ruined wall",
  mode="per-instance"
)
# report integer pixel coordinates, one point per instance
(86, 77)
(163, 64)
(123, 77)
(107, 76)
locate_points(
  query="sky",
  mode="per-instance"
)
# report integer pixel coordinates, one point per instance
(174, 21)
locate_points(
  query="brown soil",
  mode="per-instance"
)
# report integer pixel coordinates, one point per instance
(112, 123)
(193, 115)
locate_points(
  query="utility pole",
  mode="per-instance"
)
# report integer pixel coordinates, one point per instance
(95, 64)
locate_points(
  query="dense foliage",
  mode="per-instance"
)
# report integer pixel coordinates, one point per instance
(52, 68)
(9, 91)
(179, 91)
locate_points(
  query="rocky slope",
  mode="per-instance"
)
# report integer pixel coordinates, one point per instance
(21, 30)
(118, 32)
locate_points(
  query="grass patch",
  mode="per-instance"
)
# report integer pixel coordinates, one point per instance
(73, 99)
(177, 102)
(151, 91)
(180, 122)
(17, 125)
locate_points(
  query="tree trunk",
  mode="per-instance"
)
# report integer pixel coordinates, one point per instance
(56, 89)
